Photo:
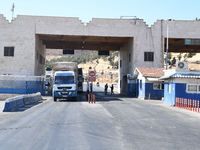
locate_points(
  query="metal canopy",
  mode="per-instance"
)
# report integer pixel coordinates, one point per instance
(83, 42)
(181, 75)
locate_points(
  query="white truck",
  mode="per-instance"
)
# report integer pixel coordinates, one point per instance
(65, 84)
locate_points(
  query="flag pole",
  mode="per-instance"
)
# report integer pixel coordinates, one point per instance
(13, 6)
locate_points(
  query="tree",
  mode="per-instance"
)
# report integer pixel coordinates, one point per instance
(179, 57)
(87, 57)
(48, 68)
(190, 55)
(173, 61)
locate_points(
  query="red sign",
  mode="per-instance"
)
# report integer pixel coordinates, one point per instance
(92, 73)
(92, 79)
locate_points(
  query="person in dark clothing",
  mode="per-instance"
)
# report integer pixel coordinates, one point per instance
(106, 88)
(112, 88)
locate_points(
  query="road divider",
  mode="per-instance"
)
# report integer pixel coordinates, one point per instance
(14, 103)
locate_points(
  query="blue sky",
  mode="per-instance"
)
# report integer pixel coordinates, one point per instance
(148, 10)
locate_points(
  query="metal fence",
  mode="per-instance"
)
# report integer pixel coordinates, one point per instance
(22, 84)
(189, 104)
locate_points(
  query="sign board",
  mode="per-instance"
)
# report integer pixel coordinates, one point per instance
(66, 51)
(107, 53)
(92, 78)
(92, 73)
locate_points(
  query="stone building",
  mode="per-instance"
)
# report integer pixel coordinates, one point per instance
(23, 41)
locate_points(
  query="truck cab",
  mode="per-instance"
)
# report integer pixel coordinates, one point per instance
(65, 85)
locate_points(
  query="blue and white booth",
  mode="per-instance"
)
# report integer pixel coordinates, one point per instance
(147, 83)
(181, 83)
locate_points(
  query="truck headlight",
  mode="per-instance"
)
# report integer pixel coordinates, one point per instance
(73, 93)
(56, 93)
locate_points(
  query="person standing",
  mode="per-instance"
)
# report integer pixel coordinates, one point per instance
(106, 88)
(112, 88)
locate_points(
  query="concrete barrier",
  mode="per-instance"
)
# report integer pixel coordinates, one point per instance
(39, 96)
(12, 104)
(20, 101)
(26, 99)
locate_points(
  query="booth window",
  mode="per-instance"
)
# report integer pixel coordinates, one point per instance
(193, 88)
(8, 51)
(158, 86)
(148, 56)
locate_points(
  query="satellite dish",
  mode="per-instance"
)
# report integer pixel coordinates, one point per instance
(180, 64)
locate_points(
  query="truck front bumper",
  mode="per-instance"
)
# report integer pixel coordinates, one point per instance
(64, 94)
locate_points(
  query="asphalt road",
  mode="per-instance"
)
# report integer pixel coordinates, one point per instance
(112, 123)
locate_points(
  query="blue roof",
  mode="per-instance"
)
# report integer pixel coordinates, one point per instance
(180, 75)
(64, 73)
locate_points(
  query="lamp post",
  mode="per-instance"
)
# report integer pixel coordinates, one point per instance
(167, 46)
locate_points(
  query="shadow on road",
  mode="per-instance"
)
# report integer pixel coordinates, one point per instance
(101, 97)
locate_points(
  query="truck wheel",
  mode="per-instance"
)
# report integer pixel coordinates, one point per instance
(54, 99)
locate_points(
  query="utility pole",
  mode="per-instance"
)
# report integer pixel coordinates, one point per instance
(167, 47)
(13, 7)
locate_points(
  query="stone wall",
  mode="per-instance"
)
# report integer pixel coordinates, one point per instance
(20, 35)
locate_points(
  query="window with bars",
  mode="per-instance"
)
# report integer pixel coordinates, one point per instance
(158, 86)
(8, 51)
(148, 56)
(193, 88)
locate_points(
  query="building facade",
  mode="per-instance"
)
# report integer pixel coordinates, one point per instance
(23, 41)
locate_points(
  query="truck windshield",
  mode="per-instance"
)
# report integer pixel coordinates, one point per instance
(64, 79)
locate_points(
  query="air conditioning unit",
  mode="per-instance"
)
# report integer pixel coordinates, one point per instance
(130, 76)
(182, 65)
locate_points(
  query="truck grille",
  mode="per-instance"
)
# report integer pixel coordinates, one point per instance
(64, 88)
